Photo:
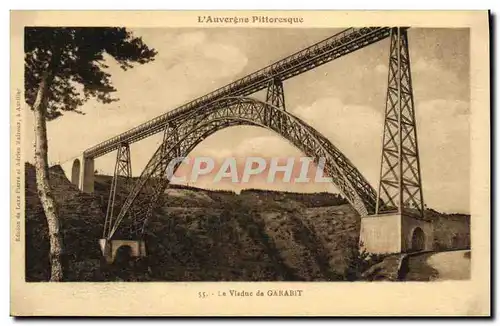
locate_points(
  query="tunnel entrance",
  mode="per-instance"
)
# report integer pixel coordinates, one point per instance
(418, 240)
(75, 173)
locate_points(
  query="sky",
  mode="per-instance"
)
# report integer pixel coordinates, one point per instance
(343, 99)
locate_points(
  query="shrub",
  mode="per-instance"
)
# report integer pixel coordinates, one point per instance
(358, 261)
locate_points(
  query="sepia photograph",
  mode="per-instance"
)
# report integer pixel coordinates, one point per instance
(280, 154)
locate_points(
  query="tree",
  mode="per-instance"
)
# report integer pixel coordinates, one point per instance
(64, 67)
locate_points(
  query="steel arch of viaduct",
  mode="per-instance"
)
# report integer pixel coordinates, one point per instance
(182, 135)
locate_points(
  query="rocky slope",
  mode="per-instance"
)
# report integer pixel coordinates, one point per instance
(204, 235)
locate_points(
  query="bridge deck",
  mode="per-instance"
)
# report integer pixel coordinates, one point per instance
(336, 46)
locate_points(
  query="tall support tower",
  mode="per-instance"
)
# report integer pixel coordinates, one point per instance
(399, 223)
(123, 171)
(132, 234)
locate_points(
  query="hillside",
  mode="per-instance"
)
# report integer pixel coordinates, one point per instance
(451, 231)
(203, 235)
(81, 223)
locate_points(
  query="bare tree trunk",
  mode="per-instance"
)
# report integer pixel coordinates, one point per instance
(42, 180)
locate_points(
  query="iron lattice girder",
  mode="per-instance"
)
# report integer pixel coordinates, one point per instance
(122, 173)
(275, 94)
(191, 130)
(400, 179)
(336, 46)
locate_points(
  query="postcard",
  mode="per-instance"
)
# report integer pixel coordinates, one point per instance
(250, 163)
